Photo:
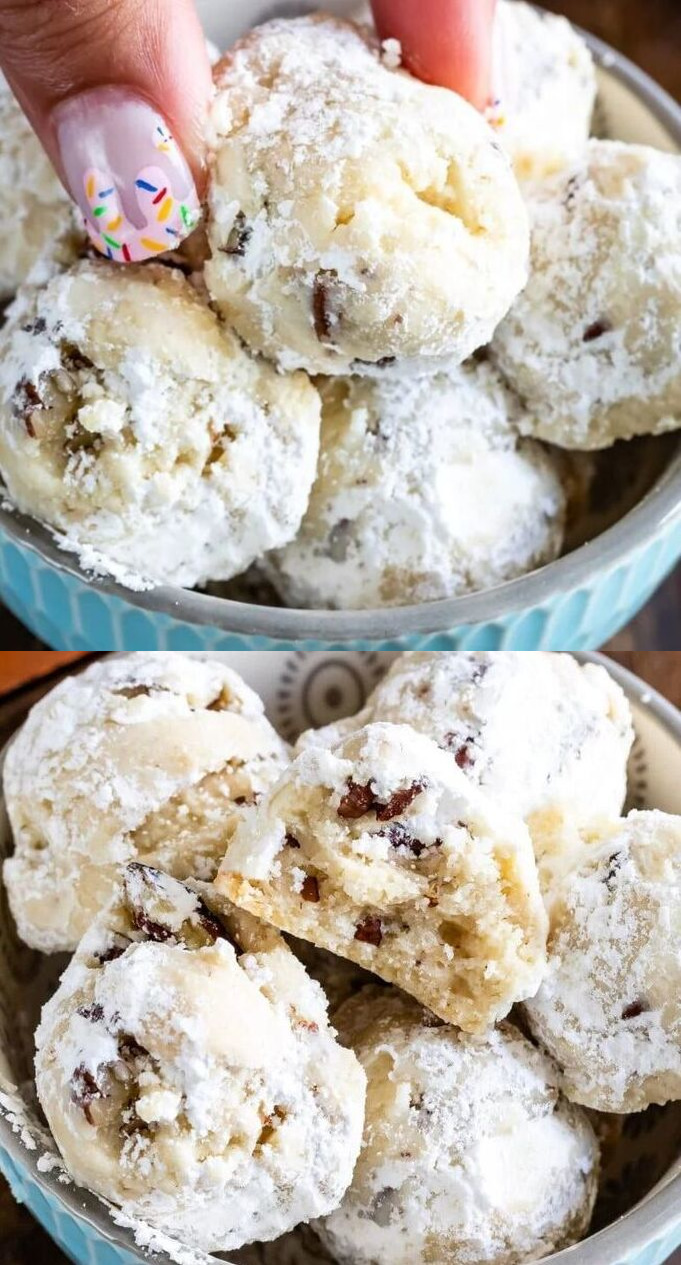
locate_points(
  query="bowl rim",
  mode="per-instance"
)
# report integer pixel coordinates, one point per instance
(649, 1220)
(657, 513)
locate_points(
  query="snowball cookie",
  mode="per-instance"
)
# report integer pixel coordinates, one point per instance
(545, 83)
(609, 1010)
(36, 208)
(543, 737)
(188, 1072)
(423, 492)
(382, 852)
(471, 1155)
(338, 977)
(138, 428)
(593, 345)
(148, 756)
(355, 213)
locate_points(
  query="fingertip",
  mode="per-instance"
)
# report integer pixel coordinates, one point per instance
(445, 42)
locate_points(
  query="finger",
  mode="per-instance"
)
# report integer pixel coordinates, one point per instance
(447, 42)
(117, 91)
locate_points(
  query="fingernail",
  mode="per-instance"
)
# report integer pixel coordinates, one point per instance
(127, 173)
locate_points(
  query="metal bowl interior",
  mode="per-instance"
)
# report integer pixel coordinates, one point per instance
(632, 108)
(641, 1200)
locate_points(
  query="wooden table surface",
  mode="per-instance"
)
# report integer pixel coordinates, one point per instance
(22, 1242)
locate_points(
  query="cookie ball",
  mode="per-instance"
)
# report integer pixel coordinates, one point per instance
(545, 85)
(189, 1075)
(356, 215)
(544, 738)
(423, 492)
(35, 202)
(593, 345)
(609, 1010)
(381, 851)
(471, 1155)
(137, 427)
(145, 756)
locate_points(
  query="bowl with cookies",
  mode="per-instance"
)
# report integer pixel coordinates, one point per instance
(413, 383)
(286, 985)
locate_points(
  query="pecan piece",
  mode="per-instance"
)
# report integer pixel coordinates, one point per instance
(27, 401)
(357, 800)
(291, 841)
(369, 931)
(399, 801)
(310, 889)
(595, 331)
(323, 315)
(239, 237)
(635, 1008)
(85, 1091)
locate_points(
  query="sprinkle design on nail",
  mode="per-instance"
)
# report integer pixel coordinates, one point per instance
(165, 218)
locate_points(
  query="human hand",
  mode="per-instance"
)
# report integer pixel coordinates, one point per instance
(447, 42)
(116, 90)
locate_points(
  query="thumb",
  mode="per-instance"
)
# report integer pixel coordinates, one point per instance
(116, 90)
(448, 42)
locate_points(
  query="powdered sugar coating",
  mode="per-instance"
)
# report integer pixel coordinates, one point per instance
(188, 1073)
(545, 84)
(138, 428)
(593, 345)
(423, 492)
(356, 214)
(471, 1155)
(35, 203)
(381, 851)
(544, 737)
(149, 756)
(609, 1010)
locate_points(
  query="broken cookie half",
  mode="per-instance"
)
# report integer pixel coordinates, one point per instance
(383, 852)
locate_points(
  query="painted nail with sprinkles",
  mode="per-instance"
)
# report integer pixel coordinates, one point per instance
(127, 173)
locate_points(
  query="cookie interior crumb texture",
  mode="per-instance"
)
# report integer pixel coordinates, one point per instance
(382, 851)
(149, 756)
(544, 737)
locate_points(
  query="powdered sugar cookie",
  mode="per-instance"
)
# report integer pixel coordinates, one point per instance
(609, 1010)
(593, 345)
(140, 430)
(487, 710)
(147, 756)
(382, 852)
(188, 1073)
(423, 491)
(471, 1154)
(356, 215)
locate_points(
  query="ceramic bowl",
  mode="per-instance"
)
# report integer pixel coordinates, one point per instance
(577, 602)
(638, 1216)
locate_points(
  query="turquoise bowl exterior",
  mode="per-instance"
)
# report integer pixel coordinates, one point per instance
(85, 1244)
(69, 613)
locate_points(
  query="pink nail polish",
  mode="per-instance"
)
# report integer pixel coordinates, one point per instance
(127, 174)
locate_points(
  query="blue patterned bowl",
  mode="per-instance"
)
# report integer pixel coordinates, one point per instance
(575, 603)
(639, 1208)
